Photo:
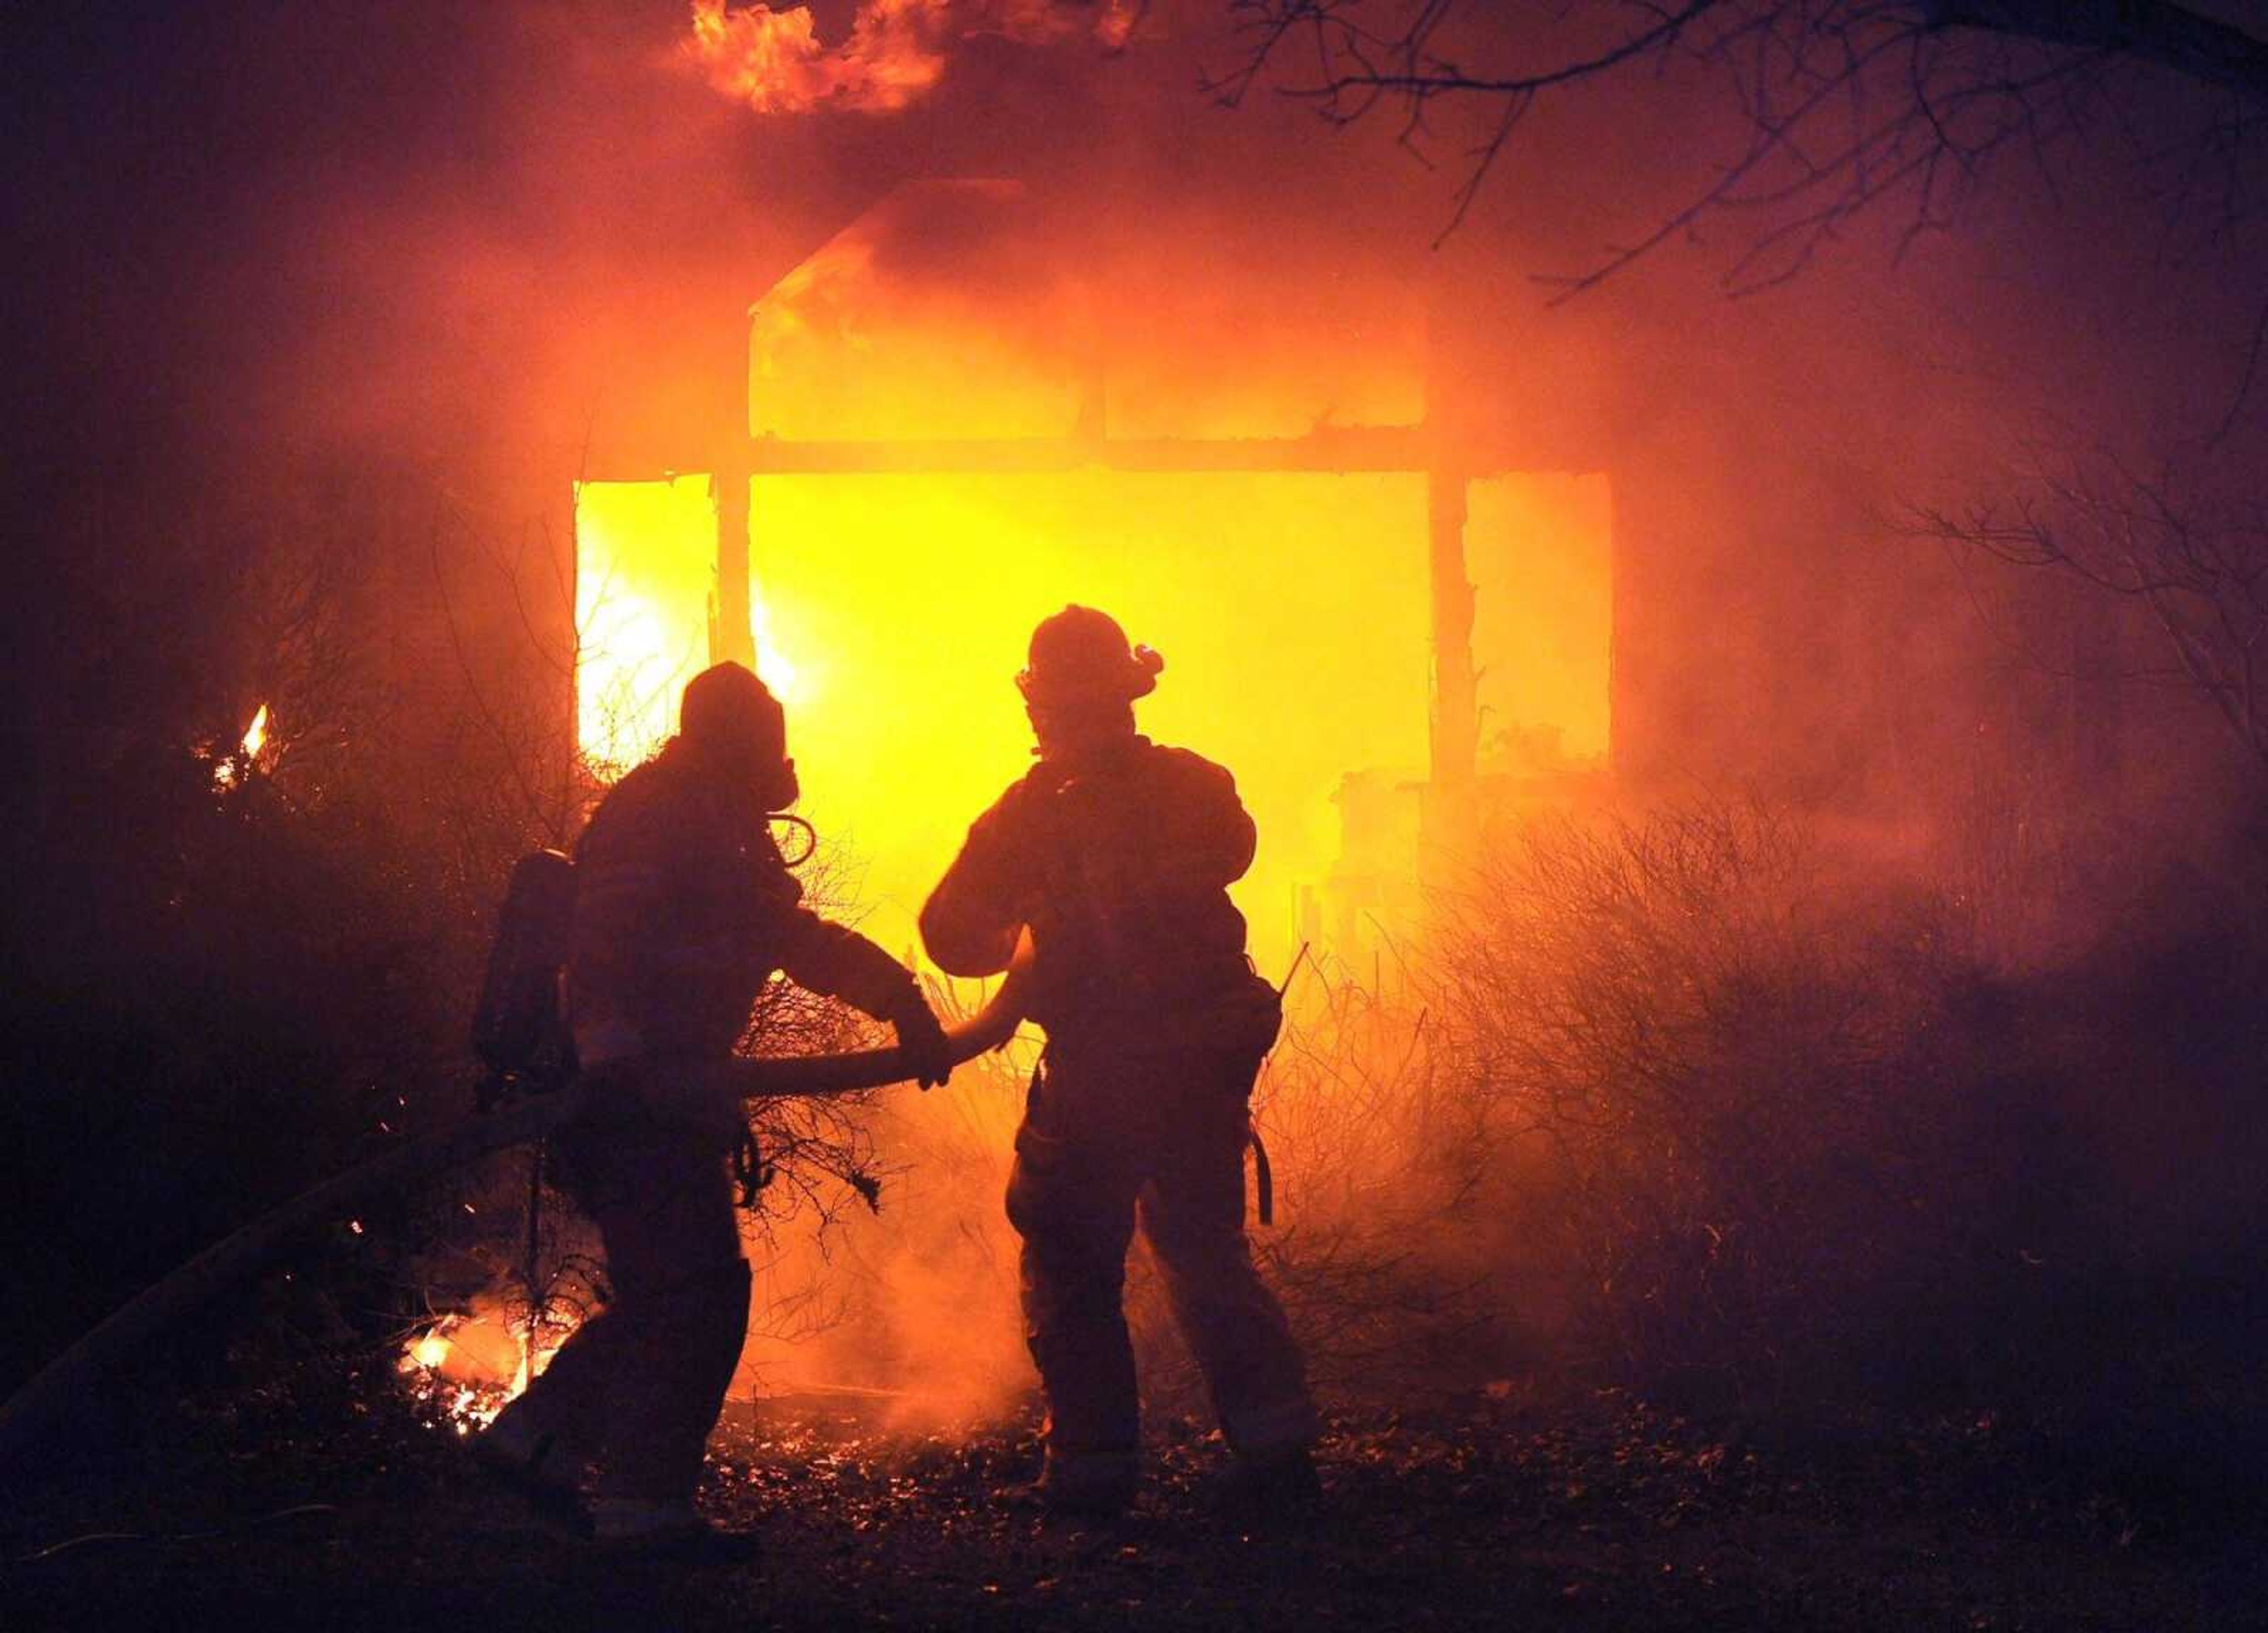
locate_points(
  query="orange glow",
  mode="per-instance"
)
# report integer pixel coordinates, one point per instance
(1538, 550)
(969, 308)
(645, 589)
(923, 359)
(646, 578)
(1292, 610)
(1294, 606)
(1100, 391)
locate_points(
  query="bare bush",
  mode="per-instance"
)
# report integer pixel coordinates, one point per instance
(1378, 1171)
(1741, 1106)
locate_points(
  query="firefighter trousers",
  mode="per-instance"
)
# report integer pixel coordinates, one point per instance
(1161, 1140)
(639, 1385)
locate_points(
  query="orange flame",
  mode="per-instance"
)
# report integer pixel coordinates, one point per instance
(773, 59)
(471, 1366)
(255, 735)
(228, 770)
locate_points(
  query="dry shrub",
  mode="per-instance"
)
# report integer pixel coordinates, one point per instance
(1378, 1171)
(1771, 1130)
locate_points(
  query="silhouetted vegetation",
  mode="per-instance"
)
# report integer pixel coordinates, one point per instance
(1685, 1102)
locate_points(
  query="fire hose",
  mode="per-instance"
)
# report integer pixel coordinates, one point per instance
(28, 1413)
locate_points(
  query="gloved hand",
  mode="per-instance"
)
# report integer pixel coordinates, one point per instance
(928, 1053)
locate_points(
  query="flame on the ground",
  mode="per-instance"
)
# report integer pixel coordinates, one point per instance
(229, 769)
(469, 1367)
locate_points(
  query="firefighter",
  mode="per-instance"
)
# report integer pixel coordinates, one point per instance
(1115, 853)
(683, 909)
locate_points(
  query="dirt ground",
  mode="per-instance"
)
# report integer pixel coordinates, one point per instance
(323, 1502)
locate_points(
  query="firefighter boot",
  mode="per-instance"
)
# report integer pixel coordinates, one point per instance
(541, 1466)
(1278, 1490)
(674, 1530)
(1085, 1485)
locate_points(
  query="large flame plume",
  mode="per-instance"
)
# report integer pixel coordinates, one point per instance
(895, 53)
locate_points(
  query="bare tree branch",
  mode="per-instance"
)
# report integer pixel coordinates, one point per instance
(2198, 563)
(1845, 104)
(2171, 36)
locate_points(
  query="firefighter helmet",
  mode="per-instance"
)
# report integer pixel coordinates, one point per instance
(728, 711)
(1081, 655)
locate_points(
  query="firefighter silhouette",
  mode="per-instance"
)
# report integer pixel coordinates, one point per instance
(683, 909)
(1115, 853)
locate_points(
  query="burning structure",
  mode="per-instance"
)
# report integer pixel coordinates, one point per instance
(977, 403)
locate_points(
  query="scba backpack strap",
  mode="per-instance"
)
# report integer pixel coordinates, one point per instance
(520, 1027)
